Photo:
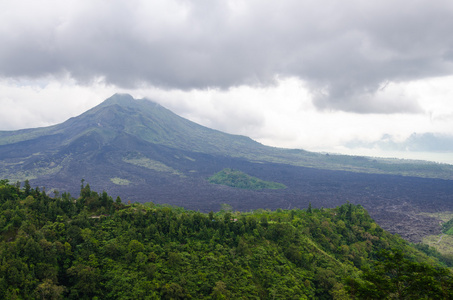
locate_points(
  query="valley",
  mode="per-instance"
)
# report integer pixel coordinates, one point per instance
(142, 152)
(395, 202)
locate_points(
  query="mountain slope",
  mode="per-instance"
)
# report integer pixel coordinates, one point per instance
(121, 114)
(147, 121)
(143, 152)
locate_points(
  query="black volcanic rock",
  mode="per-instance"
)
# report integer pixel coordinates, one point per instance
(142, 152)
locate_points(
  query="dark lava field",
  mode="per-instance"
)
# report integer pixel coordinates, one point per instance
(395, 202)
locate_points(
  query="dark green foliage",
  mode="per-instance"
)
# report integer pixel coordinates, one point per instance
(241, 180)
(95, 248)
(394, 276)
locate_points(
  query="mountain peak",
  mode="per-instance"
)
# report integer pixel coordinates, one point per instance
(148, 121)
(120, 99)
(125, 100)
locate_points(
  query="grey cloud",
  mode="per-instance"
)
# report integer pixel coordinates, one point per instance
(365, 101)
(345, 50)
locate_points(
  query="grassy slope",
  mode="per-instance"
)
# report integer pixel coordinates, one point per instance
(441, 242)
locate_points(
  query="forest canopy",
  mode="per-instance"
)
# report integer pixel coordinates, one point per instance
(238, 179)
(94, 247)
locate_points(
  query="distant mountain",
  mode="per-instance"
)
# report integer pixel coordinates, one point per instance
(122, 118)
(424, 142)
(142, 152)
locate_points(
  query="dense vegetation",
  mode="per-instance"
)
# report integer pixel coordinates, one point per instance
(94, 247)
(447, 227)
(238, 179)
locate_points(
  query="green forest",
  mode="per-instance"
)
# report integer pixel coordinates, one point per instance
(238, 179)
(94, 247)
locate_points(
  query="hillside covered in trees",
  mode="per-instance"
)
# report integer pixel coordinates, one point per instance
(95, 247)
(238, 179)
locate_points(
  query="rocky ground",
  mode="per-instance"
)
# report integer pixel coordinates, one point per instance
(395, 202)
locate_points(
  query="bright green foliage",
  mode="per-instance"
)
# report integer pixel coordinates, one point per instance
(94, 248)
(447, 227)
(444, 259)
(241, 180)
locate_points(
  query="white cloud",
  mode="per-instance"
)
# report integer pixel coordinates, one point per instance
(47, 101)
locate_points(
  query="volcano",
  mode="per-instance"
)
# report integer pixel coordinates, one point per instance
(142, 152)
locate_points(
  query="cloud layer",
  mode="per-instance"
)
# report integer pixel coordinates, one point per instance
(346, 51)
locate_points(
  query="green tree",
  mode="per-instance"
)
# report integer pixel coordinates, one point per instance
(86, 280)
(220, 291)
(396, 276)
(48, 290)
(27, 187)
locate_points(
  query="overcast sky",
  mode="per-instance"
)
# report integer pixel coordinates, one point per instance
(326, 75)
